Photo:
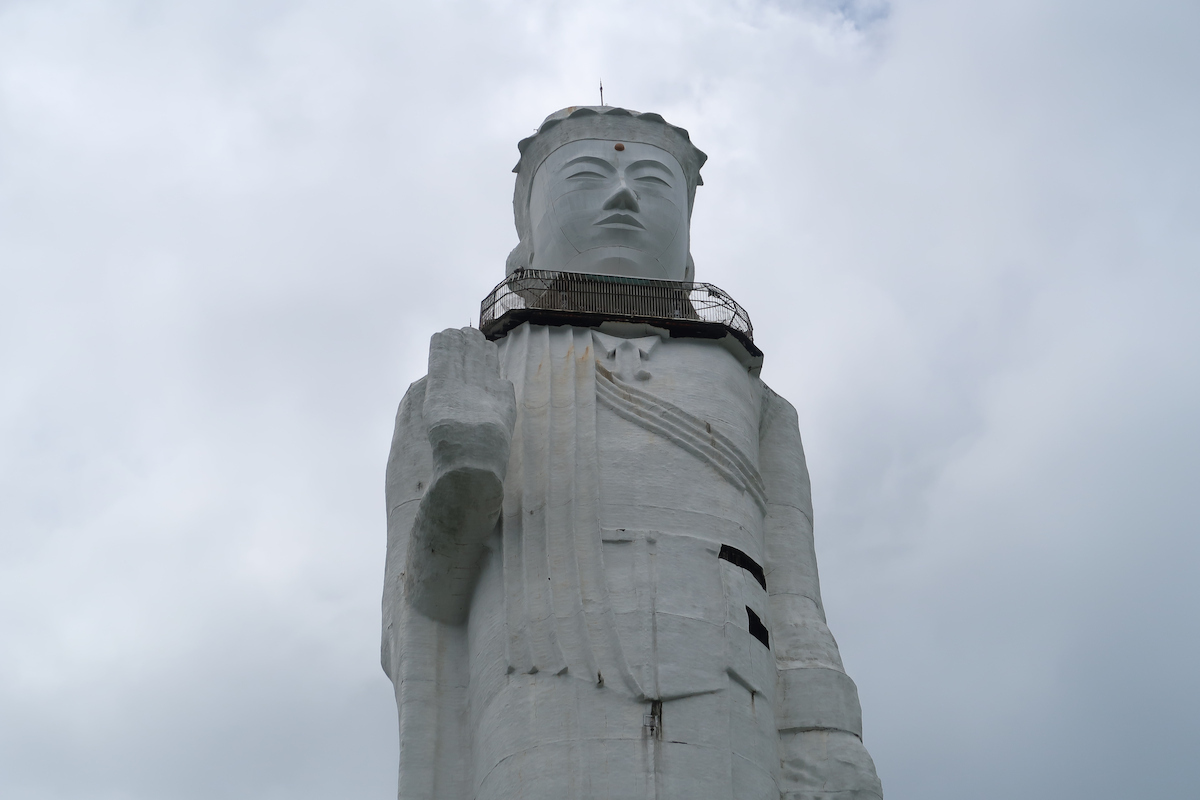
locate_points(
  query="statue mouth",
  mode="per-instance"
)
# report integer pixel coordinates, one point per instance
(621, 219)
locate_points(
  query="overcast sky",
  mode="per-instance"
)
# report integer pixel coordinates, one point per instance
(967, 234)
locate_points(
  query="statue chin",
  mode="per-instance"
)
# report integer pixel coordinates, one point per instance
(620, 261)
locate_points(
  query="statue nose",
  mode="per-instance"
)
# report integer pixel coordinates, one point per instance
(623, 198)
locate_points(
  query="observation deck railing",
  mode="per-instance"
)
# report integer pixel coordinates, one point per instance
(575, 298)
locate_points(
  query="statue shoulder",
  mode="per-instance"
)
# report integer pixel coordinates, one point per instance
(777, 411)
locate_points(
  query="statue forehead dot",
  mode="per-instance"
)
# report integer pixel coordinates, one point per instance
(618, 146)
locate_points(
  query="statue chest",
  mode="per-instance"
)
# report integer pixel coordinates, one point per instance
(677, 433)
(680, 508)
(632, 536)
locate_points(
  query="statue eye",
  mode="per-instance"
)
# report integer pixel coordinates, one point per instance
(652, 179)
(587, 173)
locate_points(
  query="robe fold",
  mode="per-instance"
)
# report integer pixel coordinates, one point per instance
(638, 466)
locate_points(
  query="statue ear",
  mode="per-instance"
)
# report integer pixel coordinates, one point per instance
(689, 272)
(520, 258)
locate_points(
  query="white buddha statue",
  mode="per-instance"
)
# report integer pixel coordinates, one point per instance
(600, 579)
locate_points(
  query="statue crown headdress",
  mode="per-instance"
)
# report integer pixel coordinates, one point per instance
(595, 122)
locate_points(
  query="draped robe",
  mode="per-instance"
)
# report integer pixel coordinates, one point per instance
(647, 619)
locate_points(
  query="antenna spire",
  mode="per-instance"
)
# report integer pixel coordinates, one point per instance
(601, 91)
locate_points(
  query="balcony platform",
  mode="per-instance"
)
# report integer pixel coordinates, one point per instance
(621, 305)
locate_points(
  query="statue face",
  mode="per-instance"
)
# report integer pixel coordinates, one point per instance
(610, 208)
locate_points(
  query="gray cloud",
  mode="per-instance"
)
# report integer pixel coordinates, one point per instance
(965, 232)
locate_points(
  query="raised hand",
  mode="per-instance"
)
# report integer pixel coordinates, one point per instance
(469, 408)
(469, 414)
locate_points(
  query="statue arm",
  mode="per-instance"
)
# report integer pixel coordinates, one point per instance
(816, 708)
(409, 467)
(458, 424)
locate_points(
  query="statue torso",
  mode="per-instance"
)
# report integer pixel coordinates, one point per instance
(676, 427)
(670, 498)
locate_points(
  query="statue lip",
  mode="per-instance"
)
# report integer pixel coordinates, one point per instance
(621, 219)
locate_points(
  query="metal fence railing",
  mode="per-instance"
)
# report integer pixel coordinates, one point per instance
(575, 294)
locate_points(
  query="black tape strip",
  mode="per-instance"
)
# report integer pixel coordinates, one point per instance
(757, 629)
(740, 559)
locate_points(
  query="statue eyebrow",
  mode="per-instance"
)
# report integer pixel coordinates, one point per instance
(600, 162)
(650, 162)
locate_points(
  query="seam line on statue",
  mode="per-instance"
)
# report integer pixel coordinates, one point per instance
(806, 515)
(674, 510)
(785, 593)
(719, 625)
(820, 728)
(406, 502)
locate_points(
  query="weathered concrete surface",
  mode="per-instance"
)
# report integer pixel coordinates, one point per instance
(601, 580)
(606, 211)
(469, 411)
(605, 128)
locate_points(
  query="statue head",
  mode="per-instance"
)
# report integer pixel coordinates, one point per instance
(607, 191)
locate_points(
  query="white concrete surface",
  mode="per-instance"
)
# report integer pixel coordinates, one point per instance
(601, 580)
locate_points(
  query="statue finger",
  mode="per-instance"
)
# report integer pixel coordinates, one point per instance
(446, 358)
